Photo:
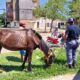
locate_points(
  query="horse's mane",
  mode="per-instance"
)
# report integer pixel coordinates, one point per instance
(40, 37)
(44, 47)
(42, 44)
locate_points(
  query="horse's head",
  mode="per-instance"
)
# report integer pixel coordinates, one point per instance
(49, 58)
(49, 55)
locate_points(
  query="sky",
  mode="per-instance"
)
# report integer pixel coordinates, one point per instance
(42, 2)
(3, 4)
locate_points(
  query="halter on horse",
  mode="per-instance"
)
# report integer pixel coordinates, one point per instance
(27, 39)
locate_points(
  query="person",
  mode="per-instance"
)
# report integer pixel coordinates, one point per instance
(71, 38)
(61, 36)
(22, 53)
(55, 32)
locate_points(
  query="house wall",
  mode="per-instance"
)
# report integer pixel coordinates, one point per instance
(9, 10)
(41, 23)
(25, 9)
(21, 9)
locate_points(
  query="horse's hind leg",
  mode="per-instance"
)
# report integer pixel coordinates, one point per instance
(29, 57)
(29, 61)
(25, 59)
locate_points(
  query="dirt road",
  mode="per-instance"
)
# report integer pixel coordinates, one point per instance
(65, 77)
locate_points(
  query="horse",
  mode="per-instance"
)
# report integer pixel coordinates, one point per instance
(27, 39)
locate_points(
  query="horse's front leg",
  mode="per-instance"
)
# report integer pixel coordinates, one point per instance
(29, 61)
(25, 59)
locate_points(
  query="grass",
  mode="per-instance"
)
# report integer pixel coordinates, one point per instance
(11, 65)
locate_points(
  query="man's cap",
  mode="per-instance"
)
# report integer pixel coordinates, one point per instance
(70, 20)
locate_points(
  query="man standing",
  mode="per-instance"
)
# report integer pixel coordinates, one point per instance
(71, 38)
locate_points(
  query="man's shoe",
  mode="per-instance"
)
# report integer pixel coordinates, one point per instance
(69, 65)
(73, 65)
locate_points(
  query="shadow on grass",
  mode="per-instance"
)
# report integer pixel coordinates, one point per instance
(77, 76)
(39, 66)
(12, 67)
(12, 58)
(56, 61)
(8, 68)
(60, 61)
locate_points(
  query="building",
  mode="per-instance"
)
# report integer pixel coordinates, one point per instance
(20, 10)
(9, 10)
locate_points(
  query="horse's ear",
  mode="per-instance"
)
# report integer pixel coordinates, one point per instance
(51, 49)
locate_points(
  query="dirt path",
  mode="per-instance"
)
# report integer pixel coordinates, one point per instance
(65, 77)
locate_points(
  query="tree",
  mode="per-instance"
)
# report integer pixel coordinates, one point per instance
(55, 9)
(52, 10)
(75, 8)
(75, 11)
(2, 19)
(40, 12)
(37, 12)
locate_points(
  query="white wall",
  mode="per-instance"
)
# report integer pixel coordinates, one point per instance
(42, 22)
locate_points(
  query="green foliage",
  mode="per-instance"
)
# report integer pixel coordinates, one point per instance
(2, 19)
(75, 8)
(11, 65)
(55, 9)
(37, 12)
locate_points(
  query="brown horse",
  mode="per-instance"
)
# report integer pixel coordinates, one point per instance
(27, 39)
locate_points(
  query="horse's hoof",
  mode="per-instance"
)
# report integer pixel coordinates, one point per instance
(22, 67)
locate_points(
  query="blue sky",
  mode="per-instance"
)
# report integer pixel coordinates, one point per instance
(3, 4)
(42, 2)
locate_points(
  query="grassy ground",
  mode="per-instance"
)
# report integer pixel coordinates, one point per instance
(11, 65)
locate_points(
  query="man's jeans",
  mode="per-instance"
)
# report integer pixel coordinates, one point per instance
(71, 47)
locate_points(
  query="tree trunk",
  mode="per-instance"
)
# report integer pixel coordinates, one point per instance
(51, 25)
(45, 25)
